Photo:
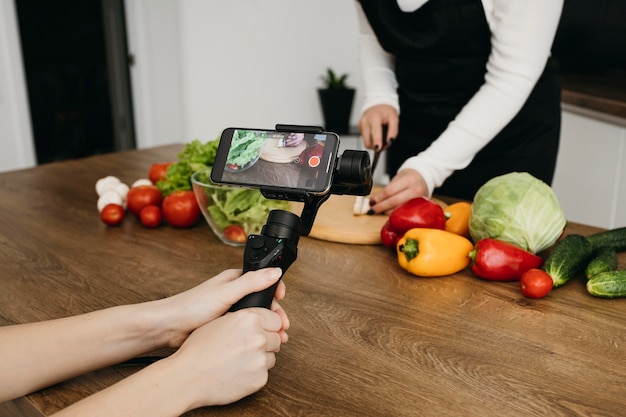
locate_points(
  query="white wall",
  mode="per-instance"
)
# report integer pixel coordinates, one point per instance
(202, 66)
(16, 142)
(153, 30)
(251, 63)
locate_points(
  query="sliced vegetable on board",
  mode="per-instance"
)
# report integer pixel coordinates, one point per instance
(517, 208)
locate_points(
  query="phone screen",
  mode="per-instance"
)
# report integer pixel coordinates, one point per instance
(269, 158)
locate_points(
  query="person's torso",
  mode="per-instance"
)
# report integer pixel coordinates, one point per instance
(440, 49)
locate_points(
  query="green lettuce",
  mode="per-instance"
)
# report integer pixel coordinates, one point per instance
(517, 208)
(194, 157)
(245, 207)
(245, 147)
(229, 205)
(233, 205)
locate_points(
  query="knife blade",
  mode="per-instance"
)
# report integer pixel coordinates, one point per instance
(380, 150)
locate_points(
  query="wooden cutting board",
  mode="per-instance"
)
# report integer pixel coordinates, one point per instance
(335, 222)
(273, 153)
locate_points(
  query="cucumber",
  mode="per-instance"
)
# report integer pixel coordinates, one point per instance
(614, 238)
(569, 256)
(605, 260)
(608, 284)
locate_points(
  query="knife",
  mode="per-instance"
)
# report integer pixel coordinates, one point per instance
(379, 151)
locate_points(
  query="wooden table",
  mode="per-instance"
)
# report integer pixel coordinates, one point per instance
(367, 338)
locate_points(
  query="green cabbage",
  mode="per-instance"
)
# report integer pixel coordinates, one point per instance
(517, 208)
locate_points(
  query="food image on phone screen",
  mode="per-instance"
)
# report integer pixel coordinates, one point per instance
(276, 159)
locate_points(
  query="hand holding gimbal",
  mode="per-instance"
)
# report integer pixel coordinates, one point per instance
(276, 246)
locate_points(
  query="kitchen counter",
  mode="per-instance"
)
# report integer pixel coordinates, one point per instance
(601, 94)
(366, 338)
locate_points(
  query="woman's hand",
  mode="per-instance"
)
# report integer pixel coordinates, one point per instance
(220, 362)
(183, 313)
(229, 358)
(294, 139)
(407, 184)
(371, 126)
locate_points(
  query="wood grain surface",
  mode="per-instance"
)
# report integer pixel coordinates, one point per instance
(366, 338)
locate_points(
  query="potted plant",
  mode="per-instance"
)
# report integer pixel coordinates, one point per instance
(336, 100)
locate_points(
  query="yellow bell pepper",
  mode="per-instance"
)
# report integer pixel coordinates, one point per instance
(433, 252)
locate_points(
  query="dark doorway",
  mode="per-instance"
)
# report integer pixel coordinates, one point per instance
(71, 59)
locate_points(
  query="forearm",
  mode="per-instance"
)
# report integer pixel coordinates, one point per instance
(37, 355)
(377, 68)
(219, 363)
(160, 390)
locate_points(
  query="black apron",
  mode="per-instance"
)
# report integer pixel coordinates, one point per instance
(441, 51)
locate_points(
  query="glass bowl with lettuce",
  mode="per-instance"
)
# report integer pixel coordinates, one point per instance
(232, 213)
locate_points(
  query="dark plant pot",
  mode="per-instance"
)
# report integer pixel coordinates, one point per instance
(336, 109)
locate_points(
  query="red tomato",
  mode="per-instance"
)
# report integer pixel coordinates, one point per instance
(158, 170)
(151, 216)
(535, 283)
(180, 209)
(141, 196)
(235, 233)
(112, 214)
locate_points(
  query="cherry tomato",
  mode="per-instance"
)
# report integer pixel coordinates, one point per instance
(235, 233)
(151, 216)
(180, 209)
(158, 170)
(112, 214)
(141, 196)
(535, 283)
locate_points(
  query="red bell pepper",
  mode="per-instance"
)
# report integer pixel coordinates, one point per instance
(388, 236)
(417, 212)
(497, 260)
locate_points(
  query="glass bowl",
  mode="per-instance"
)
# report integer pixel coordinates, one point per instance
(233, 213)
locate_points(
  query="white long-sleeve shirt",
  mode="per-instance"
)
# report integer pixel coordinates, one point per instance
(522, 32)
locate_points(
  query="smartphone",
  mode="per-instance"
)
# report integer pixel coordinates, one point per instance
(302, 162)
